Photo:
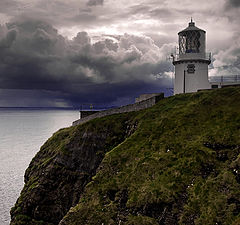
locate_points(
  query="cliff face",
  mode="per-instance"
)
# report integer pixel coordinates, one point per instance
(58, 174)
(175, 163)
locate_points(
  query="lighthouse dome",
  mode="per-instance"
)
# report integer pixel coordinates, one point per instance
(191, 27)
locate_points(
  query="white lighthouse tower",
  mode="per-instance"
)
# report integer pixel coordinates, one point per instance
(191, 64)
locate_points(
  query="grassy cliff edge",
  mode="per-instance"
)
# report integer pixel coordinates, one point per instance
(175, 163)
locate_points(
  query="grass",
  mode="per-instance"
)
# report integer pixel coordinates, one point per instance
(175, 163)
(181, 158)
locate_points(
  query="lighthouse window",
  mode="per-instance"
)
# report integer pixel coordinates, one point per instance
(191, 68)
(189, 42)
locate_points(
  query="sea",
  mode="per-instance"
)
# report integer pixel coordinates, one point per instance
(22, 132)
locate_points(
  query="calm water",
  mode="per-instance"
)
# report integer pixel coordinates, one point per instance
(22, 132)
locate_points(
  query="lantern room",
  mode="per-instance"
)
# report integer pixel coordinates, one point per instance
(191, 40)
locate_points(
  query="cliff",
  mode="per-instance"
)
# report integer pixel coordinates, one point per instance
(174, 163)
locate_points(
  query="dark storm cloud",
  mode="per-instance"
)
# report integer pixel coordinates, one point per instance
(33, 56)
(234, 3)
(95, 2)
(31, 98)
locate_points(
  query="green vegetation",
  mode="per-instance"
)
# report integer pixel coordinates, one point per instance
(175, 163)
(181, 166)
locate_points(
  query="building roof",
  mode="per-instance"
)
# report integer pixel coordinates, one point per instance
(191, 26)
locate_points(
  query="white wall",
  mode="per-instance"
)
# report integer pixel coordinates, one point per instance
(193, 81)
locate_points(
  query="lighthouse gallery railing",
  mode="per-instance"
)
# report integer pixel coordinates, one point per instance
(204, 56)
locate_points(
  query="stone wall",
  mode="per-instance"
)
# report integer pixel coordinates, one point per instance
(85, 113)
(144, 97)
(128, 108)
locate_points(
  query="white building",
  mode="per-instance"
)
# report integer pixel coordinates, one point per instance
(191, 64)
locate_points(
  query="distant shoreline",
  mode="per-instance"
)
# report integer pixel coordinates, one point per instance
(41, 108)
(55, 108)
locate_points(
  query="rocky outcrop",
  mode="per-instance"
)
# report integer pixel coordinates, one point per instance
(58, 174)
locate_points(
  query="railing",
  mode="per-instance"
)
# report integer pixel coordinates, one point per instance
(225, 79)
(204, 56)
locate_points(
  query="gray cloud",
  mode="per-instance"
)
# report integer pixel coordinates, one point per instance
(82, 38)
(95, 2)
(152, 11)
(34, 57)
(227, 62)
(234, 3)
(148, 17)
(8, 40)
(9, 6)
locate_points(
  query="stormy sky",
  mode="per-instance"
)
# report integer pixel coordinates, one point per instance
(62, 53)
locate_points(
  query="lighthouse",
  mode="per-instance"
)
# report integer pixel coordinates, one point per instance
(191, 62)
